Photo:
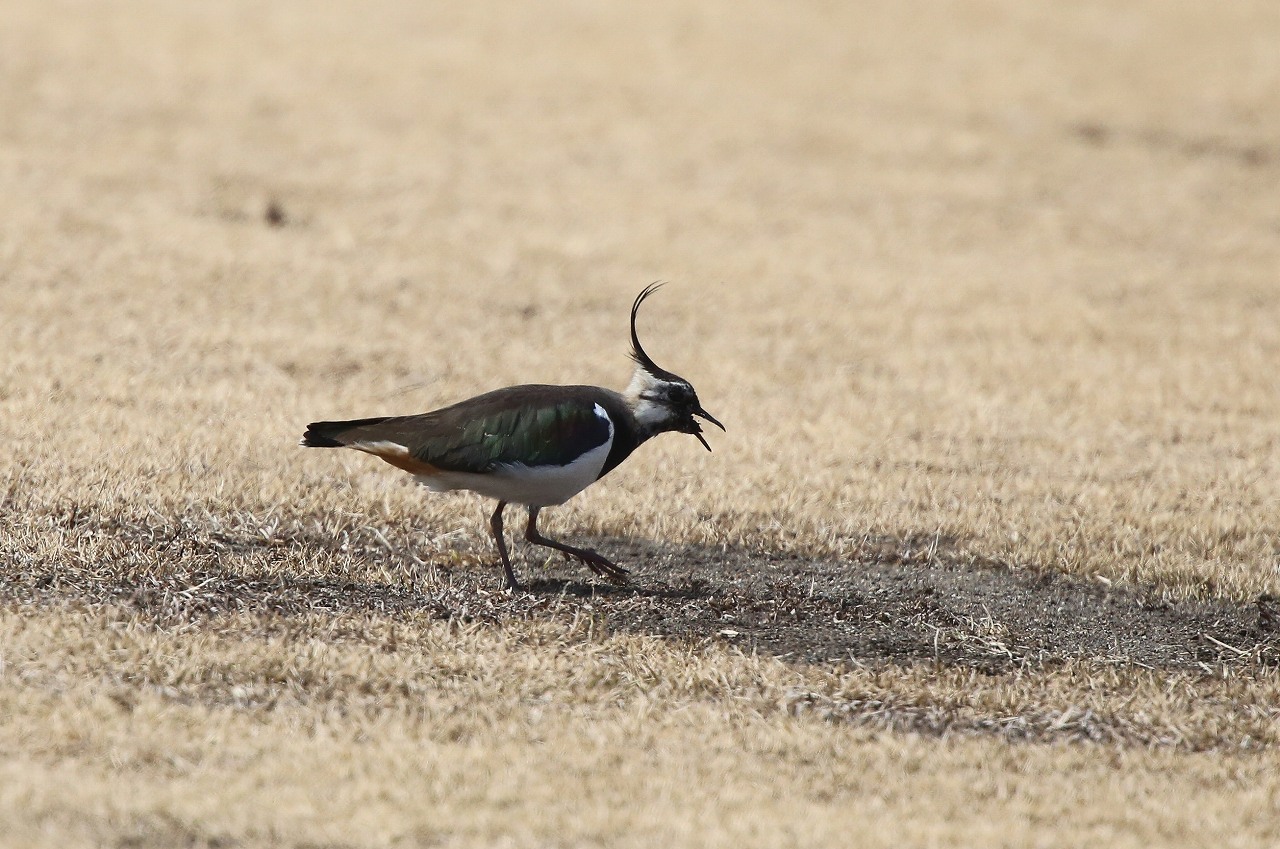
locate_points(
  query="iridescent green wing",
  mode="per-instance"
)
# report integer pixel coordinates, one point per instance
(514, 427)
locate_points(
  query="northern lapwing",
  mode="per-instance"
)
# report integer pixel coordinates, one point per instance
(535, 445)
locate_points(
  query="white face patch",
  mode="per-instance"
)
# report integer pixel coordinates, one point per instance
(651, 415)
(647, 396)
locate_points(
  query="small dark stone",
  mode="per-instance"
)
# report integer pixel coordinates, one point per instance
(274, 214)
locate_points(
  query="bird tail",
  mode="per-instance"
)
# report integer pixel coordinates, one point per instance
(330, 434)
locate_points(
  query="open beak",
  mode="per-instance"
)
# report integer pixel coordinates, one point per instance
(698, 433)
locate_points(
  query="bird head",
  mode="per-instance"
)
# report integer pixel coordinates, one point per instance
(661, 400)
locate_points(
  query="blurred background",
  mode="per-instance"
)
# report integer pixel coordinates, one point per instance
(1005, 271)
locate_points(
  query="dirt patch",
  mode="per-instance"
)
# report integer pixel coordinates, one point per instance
(927, 605)
(900, 601)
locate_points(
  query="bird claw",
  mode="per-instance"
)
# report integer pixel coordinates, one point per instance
(603, 566)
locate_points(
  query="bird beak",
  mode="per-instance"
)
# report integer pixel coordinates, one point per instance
(698, 433)
(704, 414)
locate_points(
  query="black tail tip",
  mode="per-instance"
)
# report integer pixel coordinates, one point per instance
(329, 434)
(318, 436)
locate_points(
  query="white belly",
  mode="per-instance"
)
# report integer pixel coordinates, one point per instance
(534, 486)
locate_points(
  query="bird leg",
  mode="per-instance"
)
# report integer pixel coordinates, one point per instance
(593, 560)
(495, 525)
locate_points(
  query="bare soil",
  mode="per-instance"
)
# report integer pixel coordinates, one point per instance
(899, 601)
(903, 603)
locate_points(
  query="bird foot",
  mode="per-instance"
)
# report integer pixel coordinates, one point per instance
(600, 565)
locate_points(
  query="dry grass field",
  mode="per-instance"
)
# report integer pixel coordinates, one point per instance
(986, 294)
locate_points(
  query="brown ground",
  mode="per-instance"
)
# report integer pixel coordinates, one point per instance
(899, 601)
(985, 293)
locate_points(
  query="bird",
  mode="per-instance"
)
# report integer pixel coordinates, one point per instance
(535, 445)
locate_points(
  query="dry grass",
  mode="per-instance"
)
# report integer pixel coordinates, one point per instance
(1002, 274)
(369, 731)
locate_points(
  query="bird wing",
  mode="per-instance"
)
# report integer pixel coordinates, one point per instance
(519, 425)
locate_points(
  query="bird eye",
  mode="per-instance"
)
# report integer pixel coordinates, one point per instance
(678, 394)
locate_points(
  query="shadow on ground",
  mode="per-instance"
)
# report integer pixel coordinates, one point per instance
(939, 607)
(895, 603)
